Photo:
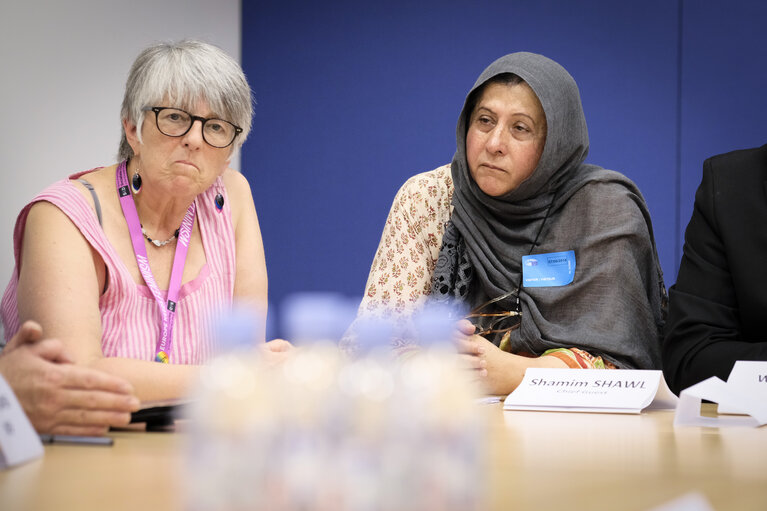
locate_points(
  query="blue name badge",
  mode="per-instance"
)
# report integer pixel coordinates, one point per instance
(548, 270)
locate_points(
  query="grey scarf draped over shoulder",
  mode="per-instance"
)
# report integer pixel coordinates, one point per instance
(615, 305)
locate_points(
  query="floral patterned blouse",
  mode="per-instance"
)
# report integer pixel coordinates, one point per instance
(401, 273)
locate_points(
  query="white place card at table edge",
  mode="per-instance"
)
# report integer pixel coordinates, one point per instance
(743, 393)
(591, 390)
(752, 374)
(693, 501)
(19, 442)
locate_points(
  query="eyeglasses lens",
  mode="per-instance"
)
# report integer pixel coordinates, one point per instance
(175, 123)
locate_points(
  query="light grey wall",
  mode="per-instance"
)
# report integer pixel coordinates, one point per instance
(63, 66)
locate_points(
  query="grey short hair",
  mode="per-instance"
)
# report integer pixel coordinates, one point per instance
(181, 74)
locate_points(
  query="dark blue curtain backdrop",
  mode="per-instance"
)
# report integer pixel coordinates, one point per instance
(353, 98)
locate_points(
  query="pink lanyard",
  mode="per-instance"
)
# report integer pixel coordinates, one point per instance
(167, 310)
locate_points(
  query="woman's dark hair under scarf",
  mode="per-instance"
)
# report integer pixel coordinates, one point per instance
(615, 306)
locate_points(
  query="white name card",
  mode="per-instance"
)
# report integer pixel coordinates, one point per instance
(18, 441)
(745, 392)
(750, 377)
(694, 501)
(591, 390)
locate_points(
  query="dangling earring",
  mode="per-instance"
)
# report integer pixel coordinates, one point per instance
(136, 182)
(219, 202)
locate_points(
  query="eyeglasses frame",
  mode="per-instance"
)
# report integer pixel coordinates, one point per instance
(475, 313)
(203, 120)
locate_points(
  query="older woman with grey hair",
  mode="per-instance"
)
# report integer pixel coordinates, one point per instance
(129, 265)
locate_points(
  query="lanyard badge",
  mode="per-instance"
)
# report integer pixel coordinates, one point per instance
(167, 308)
(548, 270)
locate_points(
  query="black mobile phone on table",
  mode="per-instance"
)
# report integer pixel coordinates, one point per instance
(159, 415)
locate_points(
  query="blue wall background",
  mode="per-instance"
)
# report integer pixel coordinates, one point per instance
(352, 99)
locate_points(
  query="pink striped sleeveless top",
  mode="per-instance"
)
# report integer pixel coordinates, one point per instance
(130, 317)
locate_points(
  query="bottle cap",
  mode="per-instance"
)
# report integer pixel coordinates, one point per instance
(238, 327)
(373, 333)
(310, 317)
(435, 324)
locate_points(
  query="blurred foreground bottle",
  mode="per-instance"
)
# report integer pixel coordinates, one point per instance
(233, 416)
(320, 431)
(444, 394)
(310, 434)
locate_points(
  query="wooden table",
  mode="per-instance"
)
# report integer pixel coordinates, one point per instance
(537, 460)
(547, 460)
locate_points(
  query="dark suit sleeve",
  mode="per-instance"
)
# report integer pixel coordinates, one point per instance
(704, 332)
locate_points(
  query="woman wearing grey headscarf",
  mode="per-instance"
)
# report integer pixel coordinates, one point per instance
(555, 257)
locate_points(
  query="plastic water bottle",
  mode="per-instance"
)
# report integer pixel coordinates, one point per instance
(232, 416)
(368, 385)
(324, 431)
(452, 433)
(310, 436)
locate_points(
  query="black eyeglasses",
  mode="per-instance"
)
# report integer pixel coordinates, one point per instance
(175, 122)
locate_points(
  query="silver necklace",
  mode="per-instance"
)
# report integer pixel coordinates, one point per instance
(158, 243)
